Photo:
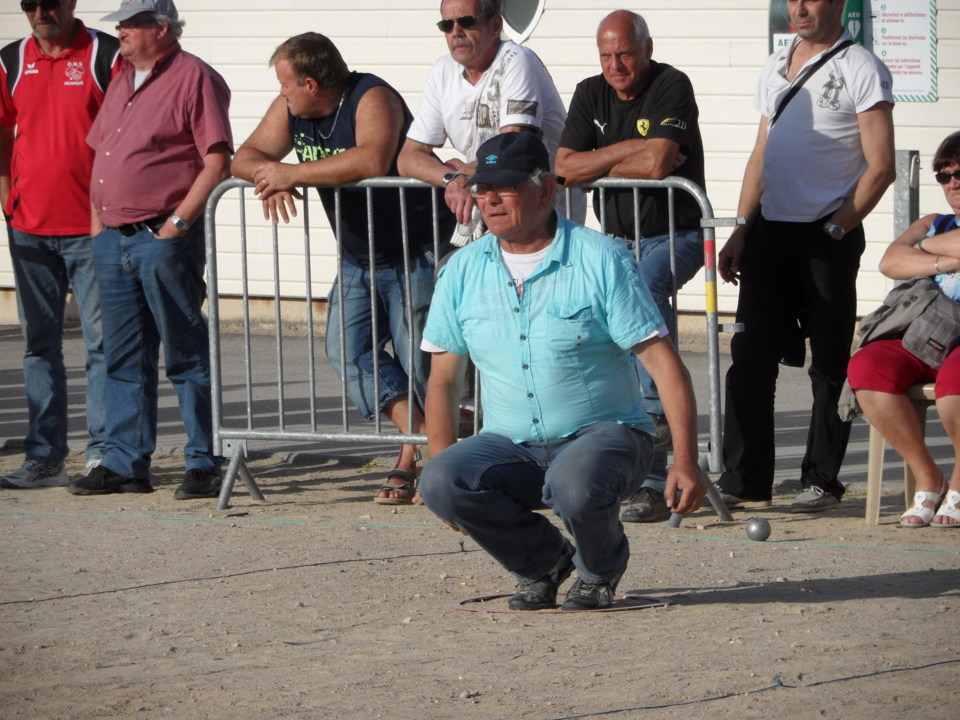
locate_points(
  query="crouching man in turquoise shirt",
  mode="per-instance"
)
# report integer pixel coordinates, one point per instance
(550, 312)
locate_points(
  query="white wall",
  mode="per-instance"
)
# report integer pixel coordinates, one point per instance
(719, 47)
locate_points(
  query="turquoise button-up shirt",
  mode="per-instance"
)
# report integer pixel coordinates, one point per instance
(557, 359)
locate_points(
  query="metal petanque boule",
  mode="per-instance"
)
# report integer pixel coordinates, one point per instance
(758, 529)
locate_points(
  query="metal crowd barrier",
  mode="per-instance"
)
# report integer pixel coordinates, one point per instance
(231, 434)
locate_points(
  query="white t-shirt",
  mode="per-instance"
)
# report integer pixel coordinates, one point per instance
(515, 90)
(813, 156)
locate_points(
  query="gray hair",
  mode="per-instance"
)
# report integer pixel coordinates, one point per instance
(175, 25)
(488, 7)
(537, 179)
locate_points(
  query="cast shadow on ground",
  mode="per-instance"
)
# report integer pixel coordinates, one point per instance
(915, 585)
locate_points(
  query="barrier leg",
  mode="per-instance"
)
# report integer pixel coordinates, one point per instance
(236, 451)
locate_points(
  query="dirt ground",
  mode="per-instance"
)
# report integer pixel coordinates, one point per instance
(320, 603)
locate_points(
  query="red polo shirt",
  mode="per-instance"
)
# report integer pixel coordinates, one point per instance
(53, 105)
(150, 143)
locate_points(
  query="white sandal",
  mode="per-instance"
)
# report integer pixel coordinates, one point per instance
(949, 509)
(919, 510)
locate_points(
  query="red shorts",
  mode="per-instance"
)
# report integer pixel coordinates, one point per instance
(885, 366)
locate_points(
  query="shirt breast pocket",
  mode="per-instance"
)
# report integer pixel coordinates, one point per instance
(571, 327)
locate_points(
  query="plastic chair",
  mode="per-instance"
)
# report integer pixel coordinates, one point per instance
(922, 397)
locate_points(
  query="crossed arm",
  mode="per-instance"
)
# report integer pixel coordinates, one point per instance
(905, 258)
(637, 158)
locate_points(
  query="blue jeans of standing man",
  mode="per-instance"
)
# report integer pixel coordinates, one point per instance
(44, 267)
(392, 325)
(489, 486)
(655, 267)
(152, 289)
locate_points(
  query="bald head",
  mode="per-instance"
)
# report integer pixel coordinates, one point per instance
(625, 24)
(625, 48)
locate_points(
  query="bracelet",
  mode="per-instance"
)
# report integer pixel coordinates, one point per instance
(936, 265)
(920, 245)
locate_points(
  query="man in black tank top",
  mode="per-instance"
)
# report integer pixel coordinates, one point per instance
(347, 126)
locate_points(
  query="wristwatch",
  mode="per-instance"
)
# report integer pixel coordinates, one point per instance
(833, 230)
(450, 177)
(179, 223)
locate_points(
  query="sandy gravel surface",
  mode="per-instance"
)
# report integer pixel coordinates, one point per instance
(321, 604)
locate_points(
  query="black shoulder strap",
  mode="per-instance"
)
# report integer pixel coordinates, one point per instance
(10, 57)
(941, 224)
(107, 48)
(806, 76)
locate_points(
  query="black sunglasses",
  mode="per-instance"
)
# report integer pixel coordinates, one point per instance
(135, 23)
(29, 6)
(943, 177)
(466, 22)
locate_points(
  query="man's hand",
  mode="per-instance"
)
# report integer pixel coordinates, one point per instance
(687, 479)
(281, 205)
(728, 261)
(272, 177)
(459, 200)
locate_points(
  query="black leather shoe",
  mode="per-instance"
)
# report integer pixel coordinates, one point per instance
(540, 594)
(199, 484)
(591, 596)
(103, 481)
(647, 506)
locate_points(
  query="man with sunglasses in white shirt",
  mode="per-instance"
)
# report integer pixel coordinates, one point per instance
(52, 85)
(485, 86)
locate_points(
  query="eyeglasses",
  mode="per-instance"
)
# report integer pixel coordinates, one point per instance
(466, 22)
(480, 190)
(28, 6)
(944, 177)
(131, 24)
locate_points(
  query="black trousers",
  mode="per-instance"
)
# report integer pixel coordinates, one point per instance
(790, 272)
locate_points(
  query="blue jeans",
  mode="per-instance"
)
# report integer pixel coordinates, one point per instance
(489, 486)
(43, 268)
(392, 327)
(152, 290)
(655, 268)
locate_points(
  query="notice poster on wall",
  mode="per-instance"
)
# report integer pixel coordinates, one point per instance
(905, 38)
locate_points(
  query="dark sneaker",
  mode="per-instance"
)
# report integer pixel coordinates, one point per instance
(590, 596)
(662, 439)
(103, 481)
(541, 594)
(647, 506)
(199, 484)
(814, 499)
(732, 501)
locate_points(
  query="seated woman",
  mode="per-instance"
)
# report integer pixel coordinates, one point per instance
(882, 370)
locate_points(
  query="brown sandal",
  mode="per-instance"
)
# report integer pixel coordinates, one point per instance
(408, 487)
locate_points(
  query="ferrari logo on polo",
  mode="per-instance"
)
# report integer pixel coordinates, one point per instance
(643, 126)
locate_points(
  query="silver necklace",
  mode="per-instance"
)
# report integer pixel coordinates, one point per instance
(335, 118)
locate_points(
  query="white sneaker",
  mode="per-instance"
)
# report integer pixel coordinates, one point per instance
(93, 463)
(34, 474)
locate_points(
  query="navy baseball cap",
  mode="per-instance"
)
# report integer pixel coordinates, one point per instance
(510, 158)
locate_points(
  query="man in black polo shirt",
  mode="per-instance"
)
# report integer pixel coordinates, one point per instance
(638, 119)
